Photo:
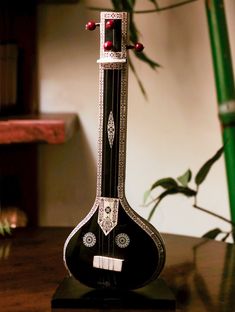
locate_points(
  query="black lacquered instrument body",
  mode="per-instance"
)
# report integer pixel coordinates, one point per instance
(141, 257)
(113, 247)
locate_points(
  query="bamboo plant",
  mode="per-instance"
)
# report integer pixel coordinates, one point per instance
(181, 185)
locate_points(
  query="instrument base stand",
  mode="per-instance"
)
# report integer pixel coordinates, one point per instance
(72, 295)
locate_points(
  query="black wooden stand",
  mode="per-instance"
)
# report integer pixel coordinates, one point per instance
(71, 295)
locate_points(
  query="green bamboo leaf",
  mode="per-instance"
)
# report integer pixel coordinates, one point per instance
(133, 30)
(166, 183)
(170, 190)
(186, 191)
(185, 178)
(212, 234)
(158, 200)
(225, 237)
(204, 170)
(130, 3)
(138, 79)
(125, 5)
(146, 195)
(155, 3)
(117, 5)
(152, 211)
(143, 57)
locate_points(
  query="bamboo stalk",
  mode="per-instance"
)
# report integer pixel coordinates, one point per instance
(224, 80)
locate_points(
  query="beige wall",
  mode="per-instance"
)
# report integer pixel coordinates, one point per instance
(176, 129)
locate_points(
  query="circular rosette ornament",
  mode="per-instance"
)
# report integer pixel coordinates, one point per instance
(89, 239)
(122, 240)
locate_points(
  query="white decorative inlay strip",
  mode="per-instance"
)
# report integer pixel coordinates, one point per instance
(108, 214)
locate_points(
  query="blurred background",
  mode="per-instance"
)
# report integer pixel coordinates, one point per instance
(175, 129)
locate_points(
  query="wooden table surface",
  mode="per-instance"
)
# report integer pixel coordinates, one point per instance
(201, 273)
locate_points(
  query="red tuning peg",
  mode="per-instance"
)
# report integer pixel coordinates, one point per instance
(110, 24)
(91, 25)
(138, 47)
(108, 45)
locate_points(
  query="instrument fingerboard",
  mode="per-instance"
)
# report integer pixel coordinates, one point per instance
(111, 125)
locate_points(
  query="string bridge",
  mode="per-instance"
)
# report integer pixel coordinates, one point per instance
(107, 263)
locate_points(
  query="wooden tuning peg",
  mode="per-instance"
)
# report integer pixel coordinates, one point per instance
(110, 24)
(108, 45)
(138, 47)
(91, 25)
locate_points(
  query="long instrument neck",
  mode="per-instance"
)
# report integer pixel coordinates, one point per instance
(112, 108)
(112, 136)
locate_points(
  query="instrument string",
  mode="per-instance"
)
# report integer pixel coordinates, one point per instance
(105, 77)
(118, 103)
(118, 117)
(104, 132)
(114, 150)
(100, 237)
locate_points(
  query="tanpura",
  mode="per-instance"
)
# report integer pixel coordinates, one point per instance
(113, 247)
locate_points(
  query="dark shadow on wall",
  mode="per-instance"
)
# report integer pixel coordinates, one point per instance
(67, 181)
